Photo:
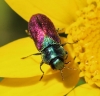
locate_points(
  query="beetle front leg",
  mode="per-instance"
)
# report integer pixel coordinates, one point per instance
(62, 33)
(31, 55)
(41, 69)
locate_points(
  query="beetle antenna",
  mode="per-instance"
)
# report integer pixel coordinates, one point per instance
(69, 67)
(62, 74)
(68, 62)
(31, 55)
(68, 43)
(41, 70)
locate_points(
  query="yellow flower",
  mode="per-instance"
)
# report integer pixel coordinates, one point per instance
(21, 76)
(86, 30)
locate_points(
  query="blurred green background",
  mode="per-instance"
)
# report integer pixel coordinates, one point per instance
(12, 26)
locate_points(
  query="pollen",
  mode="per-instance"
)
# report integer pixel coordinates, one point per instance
(86, 30)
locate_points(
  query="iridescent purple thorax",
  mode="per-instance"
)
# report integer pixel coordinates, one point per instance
(41, 26)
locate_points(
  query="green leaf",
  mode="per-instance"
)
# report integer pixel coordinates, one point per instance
(80, 82)
(1, 79)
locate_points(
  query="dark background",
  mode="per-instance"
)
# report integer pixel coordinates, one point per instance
(12, 26)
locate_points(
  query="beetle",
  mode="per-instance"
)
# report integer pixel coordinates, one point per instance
(47, 41)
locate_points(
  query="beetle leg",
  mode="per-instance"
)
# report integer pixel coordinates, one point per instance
(61, 33)
(62, 74)
(28, 33)
(66, 58)
(66, 54)
(41, 69)
(68, 62)
(68, 43)
(31, 55)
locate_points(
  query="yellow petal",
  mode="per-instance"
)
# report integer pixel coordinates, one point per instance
(11, 64)
(85, 90)
(50, 85)
(86, 31)
(60, 12)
